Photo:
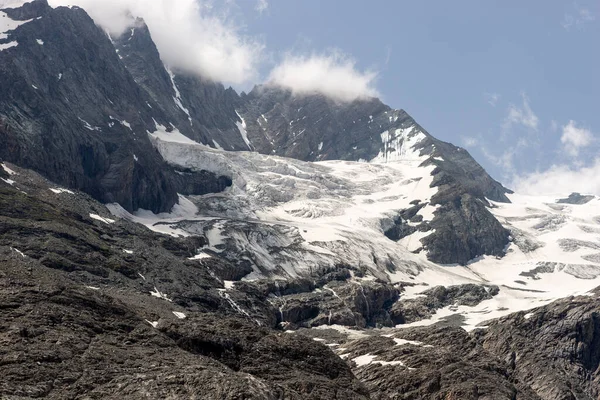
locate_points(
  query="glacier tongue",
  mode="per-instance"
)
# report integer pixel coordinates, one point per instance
(288, 217)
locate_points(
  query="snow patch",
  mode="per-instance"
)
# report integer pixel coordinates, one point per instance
(162, 223)
(200, 256)
(400, 145)
(4, 46)
(154, 324)
(160, 295)
(177, 97)
(363, 360)
(8, 170)
(61, 190)
(102, 219)
(174, 136)
(18, 251)
(88, 126)
(242, 128)
(179, 315)
(217, 145)
(228, 284)
(7, 25)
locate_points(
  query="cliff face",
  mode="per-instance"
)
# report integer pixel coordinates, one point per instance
(70, 110)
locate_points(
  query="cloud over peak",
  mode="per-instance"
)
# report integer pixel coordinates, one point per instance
(190, 35)
(334, 75)
(560, 180)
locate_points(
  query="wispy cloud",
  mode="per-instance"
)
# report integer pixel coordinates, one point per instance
(560, 180)
(470, 141)
(261, 6)
(506, 159)
(388, 55)
(574, 138)
(492, 98)
(578, 18)
(334, 75)
(521, 115)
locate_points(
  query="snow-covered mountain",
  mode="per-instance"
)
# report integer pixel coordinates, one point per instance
(272, 212)
(315, 183)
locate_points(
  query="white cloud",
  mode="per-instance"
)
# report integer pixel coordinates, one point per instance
(190, 35)
(574, 138)
(334, 75)
(581, 17)
(469, 141)
(521, 116)
(261, 6)
(492, 98)
(560, 180)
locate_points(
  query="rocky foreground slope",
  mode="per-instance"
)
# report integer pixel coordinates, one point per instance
(96, 307)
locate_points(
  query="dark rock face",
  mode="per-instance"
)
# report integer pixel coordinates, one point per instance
(328, 299)
(549, 353)
(554, 349)
(435, 363)
(577, 198)
(464, 230)
(70, 110)
(201, 109)
(412, 310)
(313, 128)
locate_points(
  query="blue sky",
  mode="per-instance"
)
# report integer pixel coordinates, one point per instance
(502, 78)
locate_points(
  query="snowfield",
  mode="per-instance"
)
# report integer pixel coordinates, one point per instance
(288, 217)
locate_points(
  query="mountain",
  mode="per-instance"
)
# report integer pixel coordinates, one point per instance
(175, 239)
(90, 100)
